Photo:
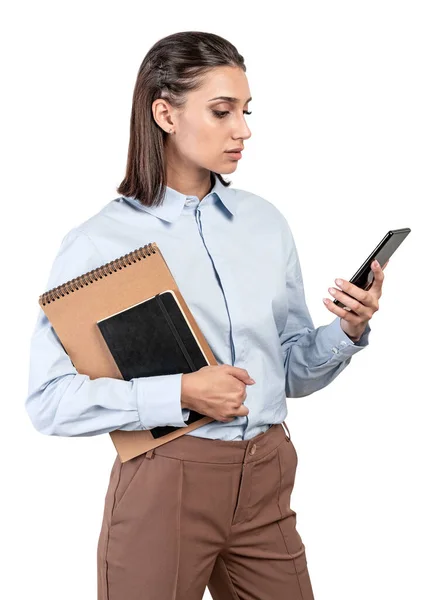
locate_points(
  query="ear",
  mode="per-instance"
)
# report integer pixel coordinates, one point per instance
(162, 114)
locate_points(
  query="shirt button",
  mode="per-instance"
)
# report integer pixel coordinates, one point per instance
(334, 350)
(253, 449)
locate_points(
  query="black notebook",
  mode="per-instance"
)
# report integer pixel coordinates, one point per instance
(154, 338)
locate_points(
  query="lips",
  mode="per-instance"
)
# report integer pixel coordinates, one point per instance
(235, 155)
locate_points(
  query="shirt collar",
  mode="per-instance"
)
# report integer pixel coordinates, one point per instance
(174, 201)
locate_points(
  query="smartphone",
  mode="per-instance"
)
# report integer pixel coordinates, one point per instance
(364, 277)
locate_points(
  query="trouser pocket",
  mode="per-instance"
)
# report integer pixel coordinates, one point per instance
(288, 467)
(128, 473)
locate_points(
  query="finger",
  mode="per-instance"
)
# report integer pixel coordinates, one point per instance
(355, 305)
(350, 317)
(353, 290)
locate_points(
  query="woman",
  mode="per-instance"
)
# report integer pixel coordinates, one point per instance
(212, 507)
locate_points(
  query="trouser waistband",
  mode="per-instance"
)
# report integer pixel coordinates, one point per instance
(196, 449)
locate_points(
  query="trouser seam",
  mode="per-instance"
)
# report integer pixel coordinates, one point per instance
(179, 529)
(293, 561)
(280, 529)
(232, 588)
(107, 542)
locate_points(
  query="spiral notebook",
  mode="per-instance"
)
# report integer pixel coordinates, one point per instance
(76, 307)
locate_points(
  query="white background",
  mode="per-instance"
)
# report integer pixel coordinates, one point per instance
(346, 143)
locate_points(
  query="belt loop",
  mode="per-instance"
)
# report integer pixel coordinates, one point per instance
(289, 435)
(150, 453)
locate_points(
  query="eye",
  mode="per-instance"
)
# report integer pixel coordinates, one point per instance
(220, 114)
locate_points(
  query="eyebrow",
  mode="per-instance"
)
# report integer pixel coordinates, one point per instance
(229, 99)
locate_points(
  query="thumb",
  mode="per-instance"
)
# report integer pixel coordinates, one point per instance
(378, 277)
(241, 374)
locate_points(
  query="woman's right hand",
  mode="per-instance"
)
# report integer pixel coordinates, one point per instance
(217, 391)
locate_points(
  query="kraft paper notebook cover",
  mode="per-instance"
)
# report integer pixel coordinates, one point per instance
(75, 307)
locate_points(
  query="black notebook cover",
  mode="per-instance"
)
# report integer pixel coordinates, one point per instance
(153, 338)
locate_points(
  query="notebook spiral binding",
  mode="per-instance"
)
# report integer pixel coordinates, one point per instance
(111, 267)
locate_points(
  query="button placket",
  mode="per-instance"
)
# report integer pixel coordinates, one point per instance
(232, 346)
(238, 313)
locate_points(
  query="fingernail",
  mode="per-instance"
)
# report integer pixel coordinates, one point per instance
(252, 380)
(376, 263)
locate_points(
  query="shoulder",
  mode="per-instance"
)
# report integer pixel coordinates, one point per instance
(78, 251)
(250, 201)
(267, 219)
(105, 223)
(110, 215)
(250, 204)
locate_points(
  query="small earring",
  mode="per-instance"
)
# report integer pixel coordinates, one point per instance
(171, 130)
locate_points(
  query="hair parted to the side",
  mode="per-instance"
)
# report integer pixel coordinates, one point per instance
(173, 66)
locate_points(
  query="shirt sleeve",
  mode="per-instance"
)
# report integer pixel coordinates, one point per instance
(63, 402)
(313, 356)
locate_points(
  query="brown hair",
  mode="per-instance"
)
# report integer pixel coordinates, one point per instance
(173, 66)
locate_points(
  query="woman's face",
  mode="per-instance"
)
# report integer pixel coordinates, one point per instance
(208, 126)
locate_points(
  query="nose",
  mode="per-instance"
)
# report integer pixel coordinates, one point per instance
(243, 134)
(247, 135)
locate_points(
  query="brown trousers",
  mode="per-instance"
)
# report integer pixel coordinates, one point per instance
(197, 512)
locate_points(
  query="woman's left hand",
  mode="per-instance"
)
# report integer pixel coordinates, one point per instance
(363, 304)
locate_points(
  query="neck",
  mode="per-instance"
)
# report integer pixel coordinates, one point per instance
(191, 182)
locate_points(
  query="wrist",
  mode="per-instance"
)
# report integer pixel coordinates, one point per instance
(354, 339)
(184, 396)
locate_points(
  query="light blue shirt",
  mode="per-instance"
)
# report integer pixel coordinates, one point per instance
(235, 262)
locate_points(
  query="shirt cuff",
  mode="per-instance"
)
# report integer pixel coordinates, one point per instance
(340, 344)
(159, 401)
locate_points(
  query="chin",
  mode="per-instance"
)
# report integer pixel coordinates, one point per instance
(228, 167)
